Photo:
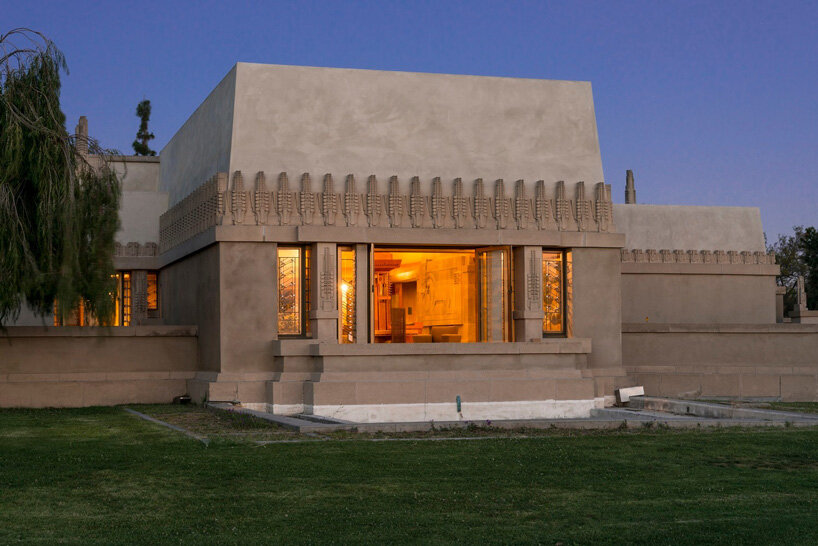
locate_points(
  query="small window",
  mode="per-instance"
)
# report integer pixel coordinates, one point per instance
(346, 296)
(126, 299)
(553, 292)
(293, 291)
(153, 294)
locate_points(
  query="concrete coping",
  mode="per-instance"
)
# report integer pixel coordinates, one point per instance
(712, 328)
(98, 331)
(551, 346)
(134, 158)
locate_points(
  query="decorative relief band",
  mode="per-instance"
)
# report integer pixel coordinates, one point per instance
(214, 203)
(131, 250)
(665, 256)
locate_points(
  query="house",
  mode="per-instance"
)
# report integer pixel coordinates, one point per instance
(388, 246)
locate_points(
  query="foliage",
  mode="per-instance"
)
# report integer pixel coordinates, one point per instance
(797, 254)
(102, 476)
(140, 145)
(58, 211)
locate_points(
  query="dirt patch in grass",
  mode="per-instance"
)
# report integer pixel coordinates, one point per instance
(215, 423)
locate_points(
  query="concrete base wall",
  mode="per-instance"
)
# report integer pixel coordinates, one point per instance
(416, 382)
(776, 361)
(74, 367)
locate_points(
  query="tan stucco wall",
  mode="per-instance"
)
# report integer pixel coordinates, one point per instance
(362, 122)
(190, 294)
(677, 227)
(777, 361)
(201, 147)
(70, 366)
(137, 173)
(248, 304)
(139, 214)
(703, 299)
(597, 303)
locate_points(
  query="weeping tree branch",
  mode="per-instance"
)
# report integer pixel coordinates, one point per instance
(59, 196)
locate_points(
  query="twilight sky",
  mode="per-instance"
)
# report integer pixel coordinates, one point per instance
(710, 103)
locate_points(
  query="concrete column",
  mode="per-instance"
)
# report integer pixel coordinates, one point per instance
(779, 303)
(528, 312)
(246, 306)
(324, 289)
(362, 290)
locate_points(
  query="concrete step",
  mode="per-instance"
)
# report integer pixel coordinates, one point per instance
(714, 411)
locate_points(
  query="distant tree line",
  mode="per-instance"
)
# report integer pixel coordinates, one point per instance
(797, 254)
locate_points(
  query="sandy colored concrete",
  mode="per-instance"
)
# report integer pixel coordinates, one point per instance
(776, 361)
(137, 173)
(597, 305)
(191, 294)
(276, 118)
(71, 367)
(201, 147)
(690, 228)
(704, 299)
(247, 304)
(139, 213)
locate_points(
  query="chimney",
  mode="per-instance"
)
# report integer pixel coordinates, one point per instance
(630, 189)
(81, 135)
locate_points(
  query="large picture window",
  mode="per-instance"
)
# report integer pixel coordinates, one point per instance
(441, 295)
(293, 291)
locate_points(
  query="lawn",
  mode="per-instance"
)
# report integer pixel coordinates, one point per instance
(101, 475)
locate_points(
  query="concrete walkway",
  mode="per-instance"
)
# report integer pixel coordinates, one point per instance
(642, 412)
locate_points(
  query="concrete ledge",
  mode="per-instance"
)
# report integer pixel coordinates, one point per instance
(633, 268)
(666, 328)
(97, 331)
(551, 346)
(459, 237)
(715, 411)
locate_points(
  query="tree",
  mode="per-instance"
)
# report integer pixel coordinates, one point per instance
(59, 199)
(140, 145)
(797, 255)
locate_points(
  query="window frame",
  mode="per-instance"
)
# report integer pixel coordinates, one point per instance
(563, 291)
(305, 296)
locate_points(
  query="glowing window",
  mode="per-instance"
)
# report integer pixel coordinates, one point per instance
(346, 296)
(553, 292)
(126, 299)
(153, 292)
(293, 291)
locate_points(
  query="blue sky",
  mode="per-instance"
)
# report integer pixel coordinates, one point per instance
(710, 103)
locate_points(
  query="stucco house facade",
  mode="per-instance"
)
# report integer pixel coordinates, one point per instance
(387, 246)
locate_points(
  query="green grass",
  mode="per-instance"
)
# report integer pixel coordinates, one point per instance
(100, 475)
(803, 407)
